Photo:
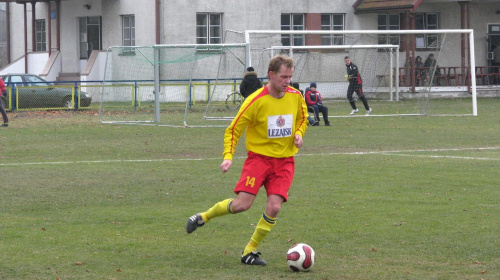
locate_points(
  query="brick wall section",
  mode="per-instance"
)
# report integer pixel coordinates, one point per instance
(313, 22)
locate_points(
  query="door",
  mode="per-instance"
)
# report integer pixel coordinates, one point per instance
(90, 36)
(493, 42)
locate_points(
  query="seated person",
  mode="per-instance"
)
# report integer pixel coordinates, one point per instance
(314, 101)
(311, 120)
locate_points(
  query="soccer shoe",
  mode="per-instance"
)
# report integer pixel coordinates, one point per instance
(368, 112)
(194, 222)
(354, 111)
(252, 258)
(316, 123)
(327, 124)
(5, 124)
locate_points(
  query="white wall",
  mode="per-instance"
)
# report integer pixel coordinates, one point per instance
(178, 19)
(144, 22)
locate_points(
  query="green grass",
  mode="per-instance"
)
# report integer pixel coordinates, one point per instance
(377, 198)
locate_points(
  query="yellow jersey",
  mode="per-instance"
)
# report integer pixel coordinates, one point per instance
(271, 124)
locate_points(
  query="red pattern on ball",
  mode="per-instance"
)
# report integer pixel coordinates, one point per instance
(308, 261)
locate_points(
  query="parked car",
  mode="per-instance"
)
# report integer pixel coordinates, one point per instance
(35, 92)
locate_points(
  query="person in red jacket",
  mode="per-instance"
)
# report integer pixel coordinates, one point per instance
(2, 106)
(314, 101)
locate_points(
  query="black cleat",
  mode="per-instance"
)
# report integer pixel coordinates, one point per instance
(253, 258)
(194, 222)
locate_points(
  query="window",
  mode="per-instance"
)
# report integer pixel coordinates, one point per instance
(34, 81)
(128, 30)
(388, 22)
(3, 22)
(90, 35)
(208, 28)
(332, 22)
(41, 41)
(292, 22)
(426, 22)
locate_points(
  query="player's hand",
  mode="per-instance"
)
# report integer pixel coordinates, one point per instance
(298, 141)
(225, 165)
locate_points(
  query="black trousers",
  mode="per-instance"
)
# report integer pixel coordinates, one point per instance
(324, 110)
(2, 111)
(359, 90)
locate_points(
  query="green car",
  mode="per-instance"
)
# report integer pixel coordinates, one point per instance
(35, 92)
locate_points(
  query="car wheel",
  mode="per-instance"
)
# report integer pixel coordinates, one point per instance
(67, 102)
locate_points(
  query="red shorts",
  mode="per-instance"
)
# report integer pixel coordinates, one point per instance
(275, 174)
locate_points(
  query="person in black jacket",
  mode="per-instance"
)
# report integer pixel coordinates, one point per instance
(250, 83)
(355, 85)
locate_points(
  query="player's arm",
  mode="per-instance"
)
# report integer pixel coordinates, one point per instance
(301, 121)
(234, 131)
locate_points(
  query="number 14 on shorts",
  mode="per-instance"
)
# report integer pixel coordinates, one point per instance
(250, 181)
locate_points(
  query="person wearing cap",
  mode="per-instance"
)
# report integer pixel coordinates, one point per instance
(355, 85)
(250, 83)
(314, 101)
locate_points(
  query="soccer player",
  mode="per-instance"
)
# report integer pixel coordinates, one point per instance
(275, 120)
(355, 85)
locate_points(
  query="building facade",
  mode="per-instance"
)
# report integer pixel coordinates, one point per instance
(67, 35)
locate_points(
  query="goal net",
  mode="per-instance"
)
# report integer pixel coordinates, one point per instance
(393, 82)
(171, 85)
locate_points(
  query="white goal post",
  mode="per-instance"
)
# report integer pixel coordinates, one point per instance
(430, 99)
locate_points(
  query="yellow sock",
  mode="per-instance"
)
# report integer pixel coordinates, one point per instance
(219, 209)
(263, 228)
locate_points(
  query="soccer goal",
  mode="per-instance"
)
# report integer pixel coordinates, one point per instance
(444, 87)
(171, 85)
(322, 64)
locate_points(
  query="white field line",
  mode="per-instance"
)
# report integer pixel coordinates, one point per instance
(451, 157)
(395, 153)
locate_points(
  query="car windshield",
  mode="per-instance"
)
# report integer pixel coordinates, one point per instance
(35, 81)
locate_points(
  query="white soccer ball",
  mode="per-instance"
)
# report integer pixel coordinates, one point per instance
(300, 257)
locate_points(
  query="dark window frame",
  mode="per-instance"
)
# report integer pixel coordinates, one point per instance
(209, 28)
(331, 22)
(292, 21)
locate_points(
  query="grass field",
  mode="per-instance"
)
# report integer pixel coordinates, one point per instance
(376, 197)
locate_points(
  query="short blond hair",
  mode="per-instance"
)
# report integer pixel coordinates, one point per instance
(279, 60)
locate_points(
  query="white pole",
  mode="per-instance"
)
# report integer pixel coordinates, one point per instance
(391, 73)
(397, 73)
(436, 31)
(473, 73)
(247, 42)
(157, 83)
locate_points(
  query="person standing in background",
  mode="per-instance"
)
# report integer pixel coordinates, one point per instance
(2, 106)
(355, 85)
